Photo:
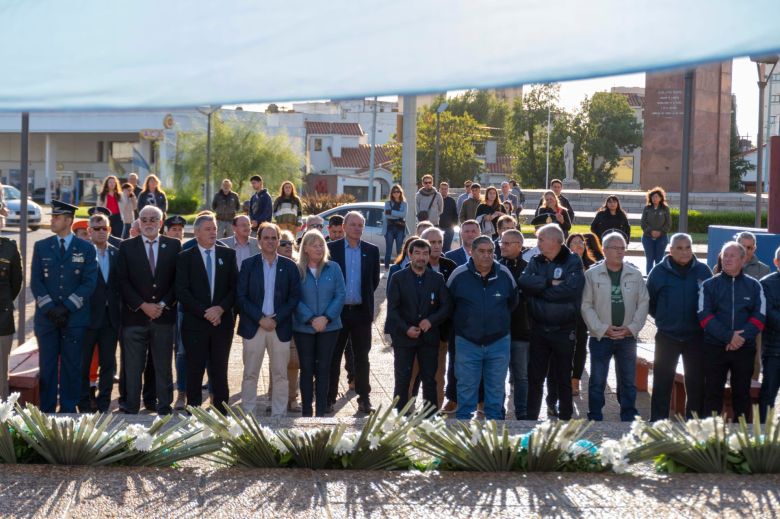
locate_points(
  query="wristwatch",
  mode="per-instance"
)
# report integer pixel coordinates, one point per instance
(162, 304)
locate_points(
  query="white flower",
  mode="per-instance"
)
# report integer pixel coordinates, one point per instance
(7, 407)
(143, 442)
(637, 427)
(373, 442)
(234, 428)
(615, 455)
(412, 435)
(734, 443)
(346, 444)
(430, 426)
(277, 443)
(664, 426)
(388, 425)
(476, 433)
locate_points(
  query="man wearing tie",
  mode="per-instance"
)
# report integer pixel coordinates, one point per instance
(205, 287)
(146, 272)
(64, 274)
(103, 329)
(359, 261)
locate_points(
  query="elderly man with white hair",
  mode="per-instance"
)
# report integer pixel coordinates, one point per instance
(614, 306)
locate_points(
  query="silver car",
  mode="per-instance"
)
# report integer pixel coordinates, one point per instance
(13, 202)
(372, 212)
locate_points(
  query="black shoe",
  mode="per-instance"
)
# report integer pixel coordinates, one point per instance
(552, 411)
(164, 411)
(150, 406)
(329, 409)
(93, 399)
(365, 407)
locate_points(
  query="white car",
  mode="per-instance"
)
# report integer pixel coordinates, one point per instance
(372, 212)
(13, 202)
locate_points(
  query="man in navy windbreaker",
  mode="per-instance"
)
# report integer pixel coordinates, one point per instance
(484, 294)
(732, 312)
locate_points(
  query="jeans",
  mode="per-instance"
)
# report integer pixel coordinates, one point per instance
(427, 356)
(654, 249)
(717, 364)
(667, 353)
(393, 235)
(518, 362)
(550, 350)
(315, 351)
(769, 384)
(449, 235)
(601, 352)
(489, 363)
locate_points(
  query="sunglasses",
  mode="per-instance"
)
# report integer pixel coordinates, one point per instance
(100, 228)
(285, 243)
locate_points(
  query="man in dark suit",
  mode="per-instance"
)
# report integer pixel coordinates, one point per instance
(103, 329)
(146, 273)
(206, 288)
(268, 292)
(115, 241)
(469, 231)
(417, 304)
(11, 276)
(359, 261)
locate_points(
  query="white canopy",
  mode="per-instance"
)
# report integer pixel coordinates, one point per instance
(96, 54)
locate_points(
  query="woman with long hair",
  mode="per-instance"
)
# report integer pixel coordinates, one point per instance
(489, 211)
(552, 206)
(593, 244)
(110, 197)
(656, 224)
(577, 243)
(394, 222)
(287, 208)
(402, 259)
(153, 194)
(611, 216)
(317, 320)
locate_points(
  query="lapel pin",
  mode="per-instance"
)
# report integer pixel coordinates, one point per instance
(219, 260)
(163, 245)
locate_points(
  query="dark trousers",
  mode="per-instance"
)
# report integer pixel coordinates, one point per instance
(208, 347)
(770, 383)
(427, 356)
(138, 342)
(449, 234)
(105, 338)
(718, 363)
(117, 227)
(550, 349)
(357, 330)
(451, 390)
(349, 362)
(667, 354)
(59, 351)
(315, 352)
(580, 349)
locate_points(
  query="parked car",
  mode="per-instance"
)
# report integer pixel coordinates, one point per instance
(13, 202)
(372, 212)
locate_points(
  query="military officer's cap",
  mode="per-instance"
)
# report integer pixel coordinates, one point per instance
(98, 210)
(174, 220)
(59, 207)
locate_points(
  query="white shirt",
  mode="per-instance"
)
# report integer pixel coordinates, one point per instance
(213, 266)
(155, 248)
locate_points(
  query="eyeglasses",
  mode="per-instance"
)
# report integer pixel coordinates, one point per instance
(100, 228)
(427, 183)
(149, 220)
(285, 243)
(395, 191)
(315, 226)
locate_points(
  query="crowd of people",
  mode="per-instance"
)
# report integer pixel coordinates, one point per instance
(461, 321)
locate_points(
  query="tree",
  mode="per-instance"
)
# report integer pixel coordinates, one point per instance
(239, 149)
(457, 155)
(528, 131)
(608, 128)
(738, 164)
(484, 106)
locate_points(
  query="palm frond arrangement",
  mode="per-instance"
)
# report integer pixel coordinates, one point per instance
(756, 450)
(478, 446)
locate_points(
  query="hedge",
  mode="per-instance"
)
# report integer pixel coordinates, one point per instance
(699, 221)
(182, 204)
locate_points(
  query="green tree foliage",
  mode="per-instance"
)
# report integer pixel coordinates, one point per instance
(485, 107)
(738, 164)
(239, 149)
(527, 127)
(607, 127)
(457, 155)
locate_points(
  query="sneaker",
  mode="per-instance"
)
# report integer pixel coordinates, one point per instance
(450, 406)
(293, 407)
(181, 401)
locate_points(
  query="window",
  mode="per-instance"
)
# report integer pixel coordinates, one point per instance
(100, 148)
(317, 144)
(772, 120)
(374, 218)
(775, 99)
(775, 77)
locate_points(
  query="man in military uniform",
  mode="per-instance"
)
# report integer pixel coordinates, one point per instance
(64, 275)
(11, 276)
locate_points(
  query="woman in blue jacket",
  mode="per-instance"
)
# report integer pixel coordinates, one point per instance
(317, 319)
(393, 222)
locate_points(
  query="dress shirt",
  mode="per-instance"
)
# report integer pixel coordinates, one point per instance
(352, 257)
(68, 239)
(269, 281)
(213, 260)
(242, 252)
(102, 257)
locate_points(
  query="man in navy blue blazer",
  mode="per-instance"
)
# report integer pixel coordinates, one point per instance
(359, 261)
(268, 292)
(469, 231)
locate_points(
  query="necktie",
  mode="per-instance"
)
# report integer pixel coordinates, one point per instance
(62, 246)
(209, 269)
(151, 255)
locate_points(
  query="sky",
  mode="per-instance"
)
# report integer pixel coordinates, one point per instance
(744, 77)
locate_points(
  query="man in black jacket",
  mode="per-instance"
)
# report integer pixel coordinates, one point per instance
(770, 351)
(448, 217)
(11, 276)
(103, 329)
(146, 274)
(512, 258)
(553, 283)
(359, 262)
(417, 303)
(206, 289)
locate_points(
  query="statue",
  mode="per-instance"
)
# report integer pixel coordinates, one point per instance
(568, 158)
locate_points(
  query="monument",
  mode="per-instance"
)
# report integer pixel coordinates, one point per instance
(568, 161)
(710, 129)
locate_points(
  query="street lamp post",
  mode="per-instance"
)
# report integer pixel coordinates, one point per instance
(208, 111)
(439, 110)
(761, 63)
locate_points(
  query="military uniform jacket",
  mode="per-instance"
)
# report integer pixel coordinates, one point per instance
(11, 275)
(67, 279)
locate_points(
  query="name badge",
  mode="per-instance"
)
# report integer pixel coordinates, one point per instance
(78, 258)
(557, 273)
